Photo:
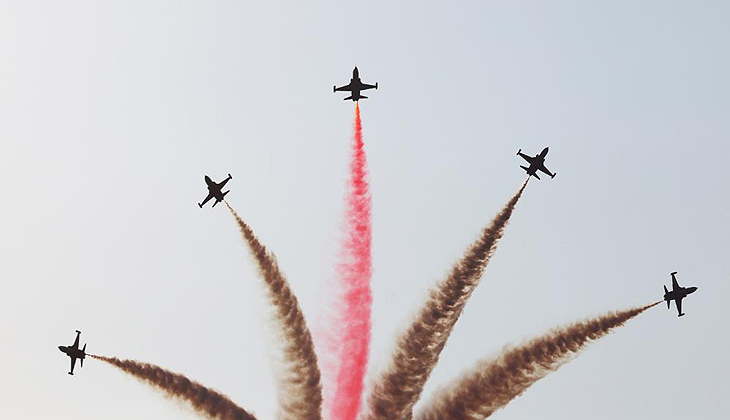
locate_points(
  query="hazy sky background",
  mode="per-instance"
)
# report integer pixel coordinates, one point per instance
(112, 112)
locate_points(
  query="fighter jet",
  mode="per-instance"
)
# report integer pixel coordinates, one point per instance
(355, 86)
(537, 163)
(677, 294)
(214, 190)
(74, 352)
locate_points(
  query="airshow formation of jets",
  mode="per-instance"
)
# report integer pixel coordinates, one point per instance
(537, 163)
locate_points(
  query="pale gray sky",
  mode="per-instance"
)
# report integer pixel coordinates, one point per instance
(112, 112)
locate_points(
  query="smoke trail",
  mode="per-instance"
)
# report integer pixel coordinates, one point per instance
(492, 384)
(418, 349)
(207, 402)
(301, 391)
(353, 324)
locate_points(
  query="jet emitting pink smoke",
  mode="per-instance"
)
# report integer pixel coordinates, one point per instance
(353, 273)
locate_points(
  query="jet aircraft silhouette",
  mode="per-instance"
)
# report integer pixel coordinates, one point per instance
(215, 190)
(355, 86)
(74, 352)
(537, 163)
(677, 294)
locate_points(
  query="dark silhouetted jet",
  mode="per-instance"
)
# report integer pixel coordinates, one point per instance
(355, 86)
(677, 294)
(215, 190)
(74, 352)
(537, 163)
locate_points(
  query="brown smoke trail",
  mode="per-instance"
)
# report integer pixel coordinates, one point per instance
(301, 390)
(207, 402)
(417, 351)
(492, 384)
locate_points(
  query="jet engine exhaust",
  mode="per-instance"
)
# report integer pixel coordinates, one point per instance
(353, 306)
(493, 383)
(300, 388)
(212, 404)
(417, 351)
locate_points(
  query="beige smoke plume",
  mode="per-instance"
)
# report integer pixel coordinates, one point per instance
(493, 383)
(207, 402)
(417, 351)
(300, 390)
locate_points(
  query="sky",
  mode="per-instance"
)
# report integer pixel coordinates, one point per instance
(111, 113)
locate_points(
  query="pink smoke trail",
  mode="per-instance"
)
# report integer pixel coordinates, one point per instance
(353, 275)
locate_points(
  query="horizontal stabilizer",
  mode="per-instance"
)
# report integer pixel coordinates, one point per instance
(224, 194)
(348, 98)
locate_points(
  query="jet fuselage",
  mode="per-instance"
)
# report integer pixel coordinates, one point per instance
(679, 293)
(72, 352)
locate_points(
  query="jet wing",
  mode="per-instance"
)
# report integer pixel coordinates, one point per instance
(210, 195)
(73, 363)
(76, 342)
(675, 285)
(545, 170)
(526, 157)
(223, 183)
(679, 306)
(365, 86)
(347, 87)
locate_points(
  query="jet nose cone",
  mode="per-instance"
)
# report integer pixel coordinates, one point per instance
(60, 348)
(693, 289)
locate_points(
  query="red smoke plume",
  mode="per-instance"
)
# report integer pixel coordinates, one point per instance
(353, 275)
